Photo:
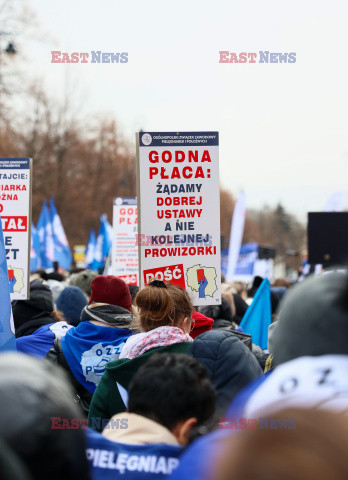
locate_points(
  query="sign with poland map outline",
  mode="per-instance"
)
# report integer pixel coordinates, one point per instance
(179, 212)
(15, 212)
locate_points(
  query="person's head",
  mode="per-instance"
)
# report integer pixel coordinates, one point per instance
(55, 276)
(41, 301)
(222, 311)
(56, 288)
(314, 447)
(173, 390)
(111, 290)
(35, 396)
(161, 304)
(281, 282)
(83, 280)
(71, 302)
(229, 298)
(313, 319)
(133, 290)
(254, 286)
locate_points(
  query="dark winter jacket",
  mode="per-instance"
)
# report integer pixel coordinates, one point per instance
(29, 315)
(230, 364)
(29, 327)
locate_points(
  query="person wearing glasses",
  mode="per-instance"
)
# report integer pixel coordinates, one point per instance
(164, 321)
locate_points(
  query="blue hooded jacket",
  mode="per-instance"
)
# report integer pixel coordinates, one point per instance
(88, 347)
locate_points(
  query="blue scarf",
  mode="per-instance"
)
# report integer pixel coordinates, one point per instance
(88, 348)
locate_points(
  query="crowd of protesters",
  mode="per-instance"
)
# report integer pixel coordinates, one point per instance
(110, 382)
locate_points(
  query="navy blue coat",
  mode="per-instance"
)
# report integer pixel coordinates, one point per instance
(230, 364)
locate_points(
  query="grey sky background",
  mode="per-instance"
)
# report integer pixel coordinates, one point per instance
(283, 127)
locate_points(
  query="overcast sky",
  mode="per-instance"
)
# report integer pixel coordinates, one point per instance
(283, 127)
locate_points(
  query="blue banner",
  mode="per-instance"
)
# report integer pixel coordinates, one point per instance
(246, 261)
(247, 257)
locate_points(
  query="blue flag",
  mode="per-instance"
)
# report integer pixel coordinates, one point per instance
(44, 229)
(104, 242)
(62, 253)
(35, 261)
(257, 318)
(90, 252)
(7, 338)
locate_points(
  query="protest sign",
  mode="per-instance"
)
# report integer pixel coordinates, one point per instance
(124, 246)
(7, 330)
(15, 211)
(179, 212)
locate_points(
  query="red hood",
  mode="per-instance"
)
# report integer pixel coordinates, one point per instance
(202, 324)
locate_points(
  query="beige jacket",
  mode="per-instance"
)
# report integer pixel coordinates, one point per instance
(137, 430)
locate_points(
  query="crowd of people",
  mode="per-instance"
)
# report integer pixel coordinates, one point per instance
(110, 382)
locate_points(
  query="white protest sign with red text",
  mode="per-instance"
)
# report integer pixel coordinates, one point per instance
(15, 211)
(179, 212)
(124, 245)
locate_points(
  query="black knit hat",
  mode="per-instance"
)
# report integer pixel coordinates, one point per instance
(313, 319)
(41, 300)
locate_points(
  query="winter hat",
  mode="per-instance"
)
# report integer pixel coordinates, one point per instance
(313, 319)
(112, 290)
(56, 288)
(55, 276)
(202, 324)
(217, 311)
(83, 280)
(254, 287)
(41, 300)
(71, 302)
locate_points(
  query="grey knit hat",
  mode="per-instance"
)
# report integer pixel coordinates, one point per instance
(83, 280)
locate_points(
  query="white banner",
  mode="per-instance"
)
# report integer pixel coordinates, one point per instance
(124, 245)
(179, 212)
(236, 235)
(15, 203)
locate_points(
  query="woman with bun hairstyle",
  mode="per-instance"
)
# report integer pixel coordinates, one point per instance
(164, 320)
